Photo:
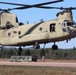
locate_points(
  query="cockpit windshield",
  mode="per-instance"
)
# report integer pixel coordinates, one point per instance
(71, 24)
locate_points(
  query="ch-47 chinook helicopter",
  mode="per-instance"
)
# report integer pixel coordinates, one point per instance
(13, 33)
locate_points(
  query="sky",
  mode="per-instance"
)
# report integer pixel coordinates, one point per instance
(36, 14)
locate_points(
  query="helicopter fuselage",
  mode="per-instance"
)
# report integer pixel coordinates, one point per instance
(42, 32)
(13, 33)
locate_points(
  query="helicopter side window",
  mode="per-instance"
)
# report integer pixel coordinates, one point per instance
(52, 27)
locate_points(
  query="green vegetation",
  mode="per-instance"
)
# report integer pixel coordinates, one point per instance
(69, 54)
(61, 54)
(25, 70)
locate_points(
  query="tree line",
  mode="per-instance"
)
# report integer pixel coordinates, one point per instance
(61, 54)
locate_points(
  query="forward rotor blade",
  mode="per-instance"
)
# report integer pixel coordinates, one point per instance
(45, 7)
(33, 5)
(24, 6)
(46, 3)
(36, 5)
(30, 6)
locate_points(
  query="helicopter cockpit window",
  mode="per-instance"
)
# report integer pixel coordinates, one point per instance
(52, 27)
(71, 24)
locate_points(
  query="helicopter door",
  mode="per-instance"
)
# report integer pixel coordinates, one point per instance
(64, 27)
(52, 27)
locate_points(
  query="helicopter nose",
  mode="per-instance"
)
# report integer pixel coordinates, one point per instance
(74, 29)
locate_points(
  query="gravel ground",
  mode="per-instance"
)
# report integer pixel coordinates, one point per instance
(53, 64)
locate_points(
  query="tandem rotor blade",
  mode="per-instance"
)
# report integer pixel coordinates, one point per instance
(45, 7)
(24, 6)
(45, 3)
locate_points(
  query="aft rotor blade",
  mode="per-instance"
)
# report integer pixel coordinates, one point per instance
(13, 3)
(46, 7)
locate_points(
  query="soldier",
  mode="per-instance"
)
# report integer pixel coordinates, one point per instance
(42, 55)
(19, 51)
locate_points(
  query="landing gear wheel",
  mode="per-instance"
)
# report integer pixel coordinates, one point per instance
(54, 47)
